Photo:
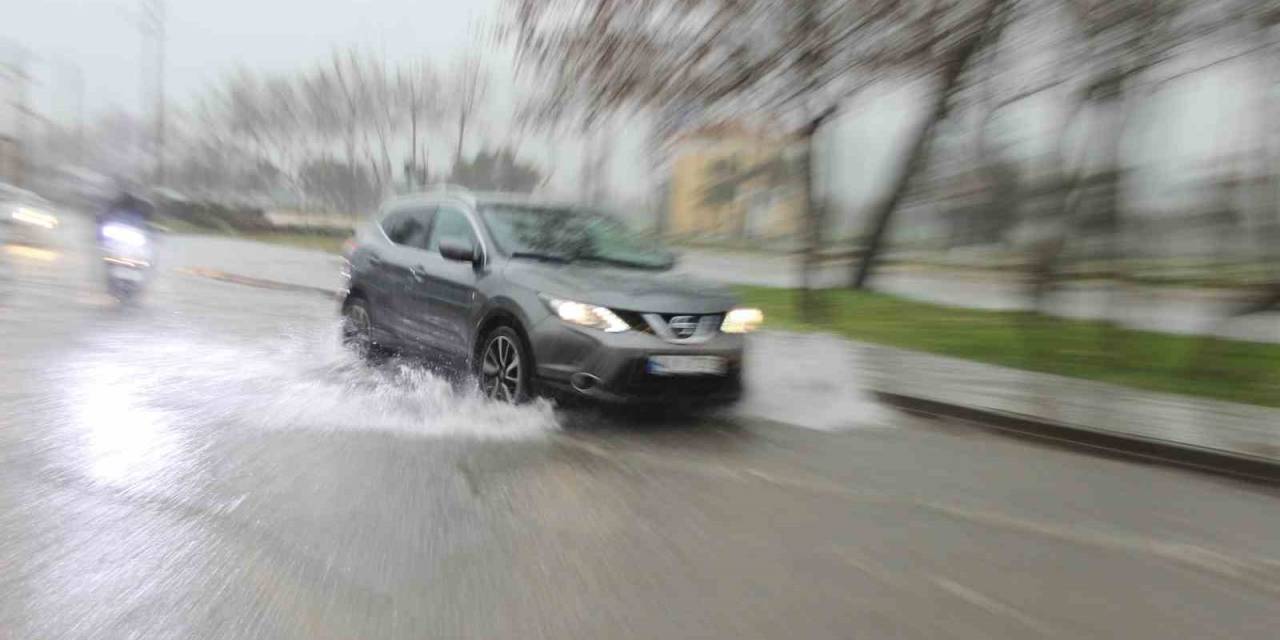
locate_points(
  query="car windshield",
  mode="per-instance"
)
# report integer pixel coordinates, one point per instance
(565, 234)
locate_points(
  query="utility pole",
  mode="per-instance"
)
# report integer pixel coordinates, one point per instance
(73, 76)
(15, 146)
(77, 78)
(152, 24)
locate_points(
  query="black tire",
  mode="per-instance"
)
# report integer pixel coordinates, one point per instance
(503, 367)
(357, 330)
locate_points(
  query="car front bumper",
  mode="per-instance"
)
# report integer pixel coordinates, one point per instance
(615, 365)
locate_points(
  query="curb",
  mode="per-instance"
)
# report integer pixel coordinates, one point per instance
(1163, 451)
(223, 276)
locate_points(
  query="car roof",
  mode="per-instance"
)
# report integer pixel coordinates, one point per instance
(476, 199)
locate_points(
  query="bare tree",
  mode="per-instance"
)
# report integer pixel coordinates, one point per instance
(793, 61)
(385, 112)
(418, 88)
(290, 122)
(465, 88)
(946, 56)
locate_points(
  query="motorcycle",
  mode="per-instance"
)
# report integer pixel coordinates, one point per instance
(127, 254)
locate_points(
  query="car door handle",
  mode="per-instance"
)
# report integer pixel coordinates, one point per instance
(418, 273)
(375, 261)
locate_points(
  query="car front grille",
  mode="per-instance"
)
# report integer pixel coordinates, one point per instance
(682, 327)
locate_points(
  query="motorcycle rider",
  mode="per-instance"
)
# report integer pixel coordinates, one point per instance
(126, 209)
(124, 236)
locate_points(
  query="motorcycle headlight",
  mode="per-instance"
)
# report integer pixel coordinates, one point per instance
(587, 315)
(124, 234)
(742, 321)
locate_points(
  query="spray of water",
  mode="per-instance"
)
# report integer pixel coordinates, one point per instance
(303, 379)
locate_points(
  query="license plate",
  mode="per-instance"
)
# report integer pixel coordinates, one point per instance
(125, 273)
(687, 365)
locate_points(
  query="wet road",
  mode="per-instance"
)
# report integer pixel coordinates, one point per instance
(209, 464)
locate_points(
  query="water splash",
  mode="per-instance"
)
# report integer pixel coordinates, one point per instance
(303, 379)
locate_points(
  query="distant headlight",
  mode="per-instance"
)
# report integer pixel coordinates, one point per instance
(742, 321)
(36, 217)
(586, 315)
(124, 234)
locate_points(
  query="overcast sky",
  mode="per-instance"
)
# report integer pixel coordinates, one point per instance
(1192, 123)
(208, 38)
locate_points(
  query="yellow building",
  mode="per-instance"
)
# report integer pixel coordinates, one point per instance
(729, 182)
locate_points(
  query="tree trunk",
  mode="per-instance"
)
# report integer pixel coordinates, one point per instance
(424, 176)
(462, 133)
(808, 303)
(413, 149)
(913, 160)
(351, 171)
(811, 309)
(587, 180)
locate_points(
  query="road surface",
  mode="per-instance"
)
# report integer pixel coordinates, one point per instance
(209, 464)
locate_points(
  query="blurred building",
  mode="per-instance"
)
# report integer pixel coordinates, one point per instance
(731, 182)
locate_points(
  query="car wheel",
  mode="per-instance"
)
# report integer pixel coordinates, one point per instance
(357, 329)
(504, 367)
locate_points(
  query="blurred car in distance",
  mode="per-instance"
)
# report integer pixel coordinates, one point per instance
(26, 218)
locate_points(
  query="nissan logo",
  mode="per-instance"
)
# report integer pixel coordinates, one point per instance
(683, 326)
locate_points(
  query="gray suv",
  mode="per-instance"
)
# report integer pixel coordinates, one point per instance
(534, 298)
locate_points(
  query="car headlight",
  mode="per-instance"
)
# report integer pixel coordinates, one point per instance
(742, 321)
(35, 217)
(587, 315)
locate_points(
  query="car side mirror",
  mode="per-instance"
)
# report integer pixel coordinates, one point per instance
(458, 250)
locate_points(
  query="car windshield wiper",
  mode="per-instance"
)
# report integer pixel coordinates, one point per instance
(544, 257)
(631, 264)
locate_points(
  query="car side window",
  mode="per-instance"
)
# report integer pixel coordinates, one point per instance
(407, 227)
(451, 224)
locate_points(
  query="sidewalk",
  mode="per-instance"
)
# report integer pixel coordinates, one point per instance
(1235, 438)
(825, 382)
(842, 384)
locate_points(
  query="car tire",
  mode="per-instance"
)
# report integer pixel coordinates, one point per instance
(357, 330)
(502, 369)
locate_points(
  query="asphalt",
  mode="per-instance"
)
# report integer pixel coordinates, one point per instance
(209, 464)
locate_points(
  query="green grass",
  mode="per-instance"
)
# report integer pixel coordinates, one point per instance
(1231, 370)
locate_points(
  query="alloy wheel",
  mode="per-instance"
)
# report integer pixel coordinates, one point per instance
(357, 330)
(500, 374)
